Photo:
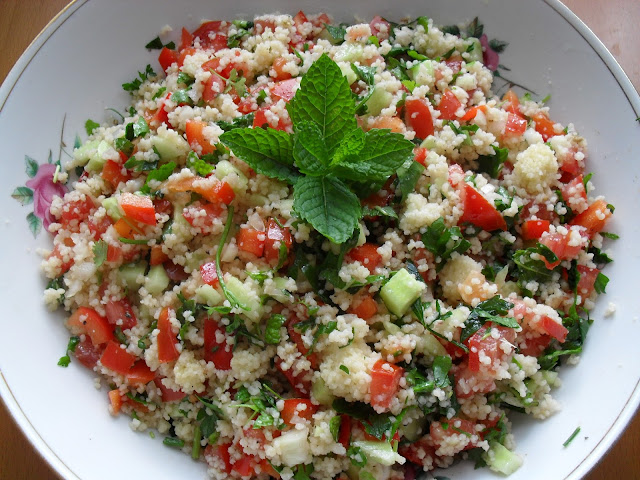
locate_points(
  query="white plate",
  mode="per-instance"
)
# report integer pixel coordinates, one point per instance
(75, 69)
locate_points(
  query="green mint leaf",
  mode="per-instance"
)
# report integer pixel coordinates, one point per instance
(99, 252)
(185, 78)
(159, 93)
(198, 165)
(31, 166)
(155, 44)
(309, 150)
(376, 211)
(492, 164)
(328, 205)
(140, 128)
(90, 126)
(124, 145)
(244, 121)
(272, 332)
(419, 381)
(160, 174)
(23, 194)
(408, 177)
(443, 241)
(381, 156)
(336, 33)
(269, 152)
(181, 97)
(350, 146)
(529, 269)
(441, 366)
(140, 165)
(324, 97)
(366, 74)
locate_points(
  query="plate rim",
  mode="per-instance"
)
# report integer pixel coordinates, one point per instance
(596, 454)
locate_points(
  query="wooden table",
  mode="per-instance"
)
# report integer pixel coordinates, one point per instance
(614, 21)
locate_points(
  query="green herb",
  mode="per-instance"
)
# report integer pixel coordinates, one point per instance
(303, 472)
(159, 93)
(601, 283)
(334, 427)
(443, 242)
(424, 22)
(374, 40)
(137, 82)
(90, 126)
(133, 241)
(159, 175)
(465, 130)
(181, 97)
(120, 336)
(58, 284)
(577, 327)
(262, 96)
(357, 410)
(99, 252)
(530, 269)
(227, 293)
(195, 449)
(173, 442)
(244, 28)
(239, 122)
(336, 32)
(198, 165)
(379, 211)
(418, 381)
(571, 437)
(71, 347)
(491, 310)
(364, 73)
(357, 456)
(259, 403)
(156, 44)
(138, 398)
(492, 164)
(272, 332)
(185, 79)
(441, 367)
(408, 176)
(345, 369)
(585, 181)
(124, 145)
(610, 235)
(323, 329)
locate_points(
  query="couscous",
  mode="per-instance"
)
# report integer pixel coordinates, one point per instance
(312, 250)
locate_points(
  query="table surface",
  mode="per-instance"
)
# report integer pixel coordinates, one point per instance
(615, 23)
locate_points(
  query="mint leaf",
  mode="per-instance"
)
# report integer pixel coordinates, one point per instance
(364, 73)
(492, 164)
(269, 152)
(351, 145)
(328, 205)
(408, 176)
(324, 98)
(201, 167)
(159, 174)
(309, 150)
(382, 154)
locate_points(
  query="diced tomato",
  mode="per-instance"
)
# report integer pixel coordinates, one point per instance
(167, 58)
(449, 105)
(367, 254)
(88, 321)
(395, 124)
(421, 155)
(168, 394)
(298, 382)
(119, 312)
(275, 237)
(442, 430)
(587, 281)
(533, 229)
(244, 466)
(284, 90)
(267, 468)
(472, 112)
(559, 244)
(211, 35)
(194, 130)
(167, 351)
(98, 227)
(382, 197)
(75, 212)
(192, 214)
(140, 374)
(219, 452)
(385, 379)
(87, 353)
(570, 165)
(124, 228)
(574, 193)
(419, 452)
(512, 103)
(479, 212)
(553, 328)
(184, 53)
(365, 308)
(380, 27)
(116, 401)
(418, 117)
(296, 336)
(251, 240)
(544, 126)
(157, 256)
(116, 358)
(483, 344)
(594, 217)
(220, 353)
(213, 87)
(344, 436)
(515, 125)
(299, 407)
(138, 207)
(209, 274)
(114, 173)
(535, 345)
(223, 192)
(454, 63)
(260, 119)
(186, 39)
(262, 24)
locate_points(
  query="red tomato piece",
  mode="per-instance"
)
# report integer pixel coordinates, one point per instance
(344, 436)
(184, 54)
(558, 243)
(220, 353)
(281, 74)
(98, 227)
(244, 466)
(442, 430)
(194, 130)
(380, 27)
(211, 35)
(587, 281)
(213, 87)
(119, 312)
(512, 103)
(385, 379)
(594, 217)
(275, 237)
(157, 256)
(419, 452)
(88, 321)
(298, 382)
(214, 452)
(483, 344)
(454, 63)
(116, 401)
(223, 192)
(515, 125)
(168, 394)
(299, 407)
(261, 25)
(186, 39)
(479, 212)
(284, 90)
(114, 173)
(535, 345)
(209, 274)
(167, 58)
(544, 126)
(117, 359)
(75, 212)
(449, 105)
(553, 328)
(87, 353)
(421, 155)
(296, 336)
(167, 351)
(574, 191)
(367, 254)
(418, 117)
(365, 308)
(251, 240)
(138, 207)
(533, 229)
(469, 383)
(140, 374)
(472, 112)
(193, 214)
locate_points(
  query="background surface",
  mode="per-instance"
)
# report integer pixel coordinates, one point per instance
(613, 21)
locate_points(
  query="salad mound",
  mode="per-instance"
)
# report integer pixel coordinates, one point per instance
(318, 250)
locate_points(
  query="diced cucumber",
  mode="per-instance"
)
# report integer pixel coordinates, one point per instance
(245, 296)
(281, 295)
(413, 431)
(475, 53)
(293, 447)
(157, 280)
(112, 207)
(362, 238)
(348, 52)
(380, 452)
(209, 295)
(257, 200)
(431, 346)
(130, 273)
(169, 145)
(224, 168)
(422, 73)
(379, 100)
(550, 377)
(194, 260)
(391, 328)
(429, 143)
(502, 460)
(401, 291)
(348, 72)
(82, 154)
(321, 392)
(97, 160)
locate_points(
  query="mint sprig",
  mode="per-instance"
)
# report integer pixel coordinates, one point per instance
(328, 158)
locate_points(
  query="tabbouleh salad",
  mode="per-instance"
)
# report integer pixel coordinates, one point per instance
(313, 250)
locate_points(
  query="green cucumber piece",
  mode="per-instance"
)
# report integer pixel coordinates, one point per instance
(475, 53)
(380, 452)
(97, 160)
(84, 153)
(502, 460)
(129, 273)
(348, 72)
(170, 146)
(400, 292)
(112, 207)
(379, 100)
(224, 168)
(245, 296)
(422, 73)
(209, 295)
(348, 52)
(322, 393)
(157, 280)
